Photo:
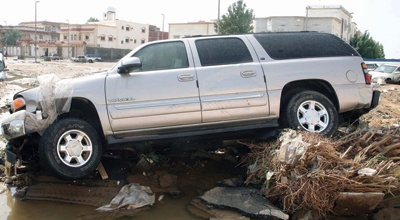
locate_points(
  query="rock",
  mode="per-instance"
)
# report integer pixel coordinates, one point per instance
(245, 200)
(233, 182)
(197, 208)
(352, 203)
(388, 213)
(167, 180)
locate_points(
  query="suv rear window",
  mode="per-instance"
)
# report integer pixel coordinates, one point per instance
(287, 45)
(222, 51)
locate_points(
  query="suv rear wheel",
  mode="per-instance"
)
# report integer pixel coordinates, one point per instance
(70, 149)
(311, 111)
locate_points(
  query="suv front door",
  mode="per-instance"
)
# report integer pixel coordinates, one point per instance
(161, 94)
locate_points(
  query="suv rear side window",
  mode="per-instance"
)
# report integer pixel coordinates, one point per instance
(303, 45)
(222, 51)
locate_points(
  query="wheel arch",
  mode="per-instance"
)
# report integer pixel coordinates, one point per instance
(317, 85)
(84, 109)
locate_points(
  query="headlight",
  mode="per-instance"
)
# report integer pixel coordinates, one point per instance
(17, 104)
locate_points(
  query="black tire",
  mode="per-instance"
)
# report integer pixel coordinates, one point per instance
(311, 111)
(90, 61)
(70, 149)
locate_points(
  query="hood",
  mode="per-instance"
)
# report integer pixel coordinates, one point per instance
(51, 87)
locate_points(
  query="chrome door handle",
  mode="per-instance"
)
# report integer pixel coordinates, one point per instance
(185, 77)
(248, 74)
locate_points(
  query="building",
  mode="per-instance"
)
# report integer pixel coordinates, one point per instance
(69, 40)
(179, 30)
(45, 31)
(329, 19)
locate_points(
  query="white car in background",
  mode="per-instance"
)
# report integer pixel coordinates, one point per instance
(386, 73)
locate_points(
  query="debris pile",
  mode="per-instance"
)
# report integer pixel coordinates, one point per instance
(304, 171)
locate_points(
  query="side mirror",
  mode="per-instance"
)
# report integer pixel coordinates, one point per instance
(129, 64)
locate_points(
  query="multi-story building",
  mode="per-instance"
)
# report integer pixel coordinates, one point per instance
(69, 40)
(329, 19)
(179, 30)
(45, 31)
(110, 33)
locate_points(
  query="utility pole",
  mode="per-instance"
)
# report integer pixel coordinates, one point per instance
(68, 38)
(35, 30)
(162, 34)
(219, 21)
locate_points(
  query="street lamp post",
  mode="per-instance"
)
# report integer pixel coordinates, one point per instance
(162, 33)
(219, 21)
(35, 30)
(68, 38)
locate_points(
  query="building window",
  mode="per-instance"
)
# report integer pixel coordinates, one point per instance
(110, 38)
(80, 37)
(87, 37)
(143, 30)
(122, 42)
(143, 41)
(122, 28)
(41, 37)
(102, 37)
(127, 28)
(65, 37)
(127, 40)
(134, 41)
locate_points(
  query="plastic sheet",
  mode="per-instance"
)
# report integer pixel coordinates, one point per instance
(131, 196)
(292, 148)
(54, 96)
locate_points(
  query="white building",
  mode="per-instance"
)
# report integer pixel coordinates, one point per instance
(329, 19)
(179, 30)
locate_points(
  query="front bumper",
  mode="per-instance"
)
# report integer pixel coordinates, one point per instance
(13, 126)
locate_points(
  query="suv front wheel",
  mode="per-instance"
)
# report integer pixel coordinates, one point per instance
(311, 111)
(70, 148)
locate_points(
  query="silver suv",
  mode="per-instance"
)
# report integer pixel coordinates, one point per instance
(189, 87)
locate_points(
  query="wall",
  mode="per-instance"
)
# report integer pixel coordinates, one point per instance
(180, 30)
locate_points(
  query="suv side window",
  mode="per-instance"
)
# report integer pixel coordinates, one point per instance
(162, 56)
(222, 51)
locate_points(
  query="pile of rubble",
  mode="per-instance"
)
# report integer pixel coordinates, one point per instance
(304, 171)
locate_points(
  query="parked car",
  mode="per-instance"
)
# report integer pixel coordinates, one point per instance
(79, 58)
(371, 66)
(182, 88)
(92, 58)
(386, 73)
(2, 68)
(54, 56)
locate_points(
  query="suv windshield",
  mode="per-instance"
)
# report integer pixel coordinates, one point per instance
(385, 69)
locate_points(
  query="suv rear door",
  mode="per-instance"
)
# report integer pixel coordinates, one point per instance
(231, 79)
(161, 94)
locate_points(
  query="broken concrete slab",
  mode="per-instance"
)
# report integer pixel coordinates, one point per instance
(248, 201)
(198, 208)
(354, 203)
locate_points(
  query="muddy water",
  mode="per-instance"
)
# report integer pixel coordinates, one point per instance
(193, 181)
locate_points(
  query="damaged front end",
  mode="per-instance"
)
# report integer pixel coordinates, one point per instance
(31, 112)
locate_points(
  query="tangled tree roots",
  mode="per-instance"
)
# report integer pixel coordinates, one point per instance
(358, 162)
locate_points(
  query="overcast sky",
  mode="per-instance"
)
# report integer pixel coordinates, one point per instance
(380, 17)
